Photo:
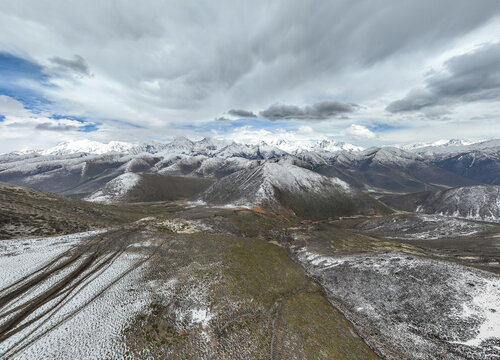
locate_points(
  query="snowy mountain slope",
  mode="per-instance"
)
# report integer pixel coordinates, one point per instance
(116, 189)
(440, 144)
(472, 202)
(281, 186)
(149, 187)
(332, 146)
(482, 166)
(182, 145)
(88, 146)
(389, 169)
(478, 161)
(452, 146)
(65, 174)
(82, 167)
(324, 145)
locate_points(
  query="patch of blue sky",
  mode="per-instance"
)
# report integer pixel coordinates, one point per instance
(384, 127)
(19, 79)
(69, 117)
(13, 68)
(89, 128)
(2, 118)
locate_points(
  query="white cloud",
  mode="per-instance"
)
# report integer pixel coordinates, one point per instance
(306, 130)
(23, 129)
(358, 132)
(11, 107)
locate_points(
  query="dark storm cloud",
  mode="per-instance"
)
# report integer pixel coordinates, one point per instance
(242, 113)
(77, 65)
(54, 127)
(222, 119)
(319, 111)
(474, 76)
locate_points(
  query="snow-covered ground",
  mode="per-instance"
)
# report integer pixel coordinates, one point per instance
(423, 227)
(411, 306)
(19, 257)
(86, 320)
(116, 189)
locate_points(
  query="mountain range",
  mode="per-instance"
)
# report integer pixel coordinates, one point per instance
(250, 251)
(293, 177)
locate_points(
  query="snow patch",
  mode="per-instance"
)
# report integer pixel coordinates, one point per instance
(427, 303)
(116, 189)
(22, 256)
(88, 323)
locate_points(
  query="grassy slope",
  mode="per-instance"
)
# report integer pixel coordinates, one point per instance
(308, 324)
(156, 187)
(27, 212)
(328, 205)
(264, 304)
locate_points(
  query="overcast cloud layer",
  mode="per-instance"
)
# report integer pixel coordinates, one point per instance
(369, 72)
(470, 77)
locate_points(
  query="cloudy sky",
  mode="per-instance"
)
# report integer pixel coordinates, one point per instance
(366, 72)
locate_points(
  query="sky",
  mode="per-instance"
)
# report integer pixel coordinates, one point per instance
(367, 72)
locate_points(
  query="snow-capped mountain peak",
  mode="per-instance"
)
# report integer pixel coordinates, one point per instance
(88, 146)
(333, 145)
(443, 143)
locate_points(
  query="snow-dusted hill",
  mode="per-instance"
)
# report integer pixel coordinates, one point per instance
(131, 187)
(474, 202)
(471, 202)
(116, 189)
(286, 187)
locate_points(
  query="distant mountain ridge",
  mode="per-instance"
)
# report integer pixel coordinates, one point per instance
(443, 143)
(82, 168)
(472, 202)
(185, 145)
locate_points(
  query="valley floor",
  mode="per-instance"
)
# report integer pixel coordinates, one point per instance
(217, 283)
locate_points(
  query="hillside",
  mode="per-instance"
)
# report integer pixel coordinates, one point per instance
(472, 202)
(133, 187)
(185, 281)
(286, 187)
(26, 212)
